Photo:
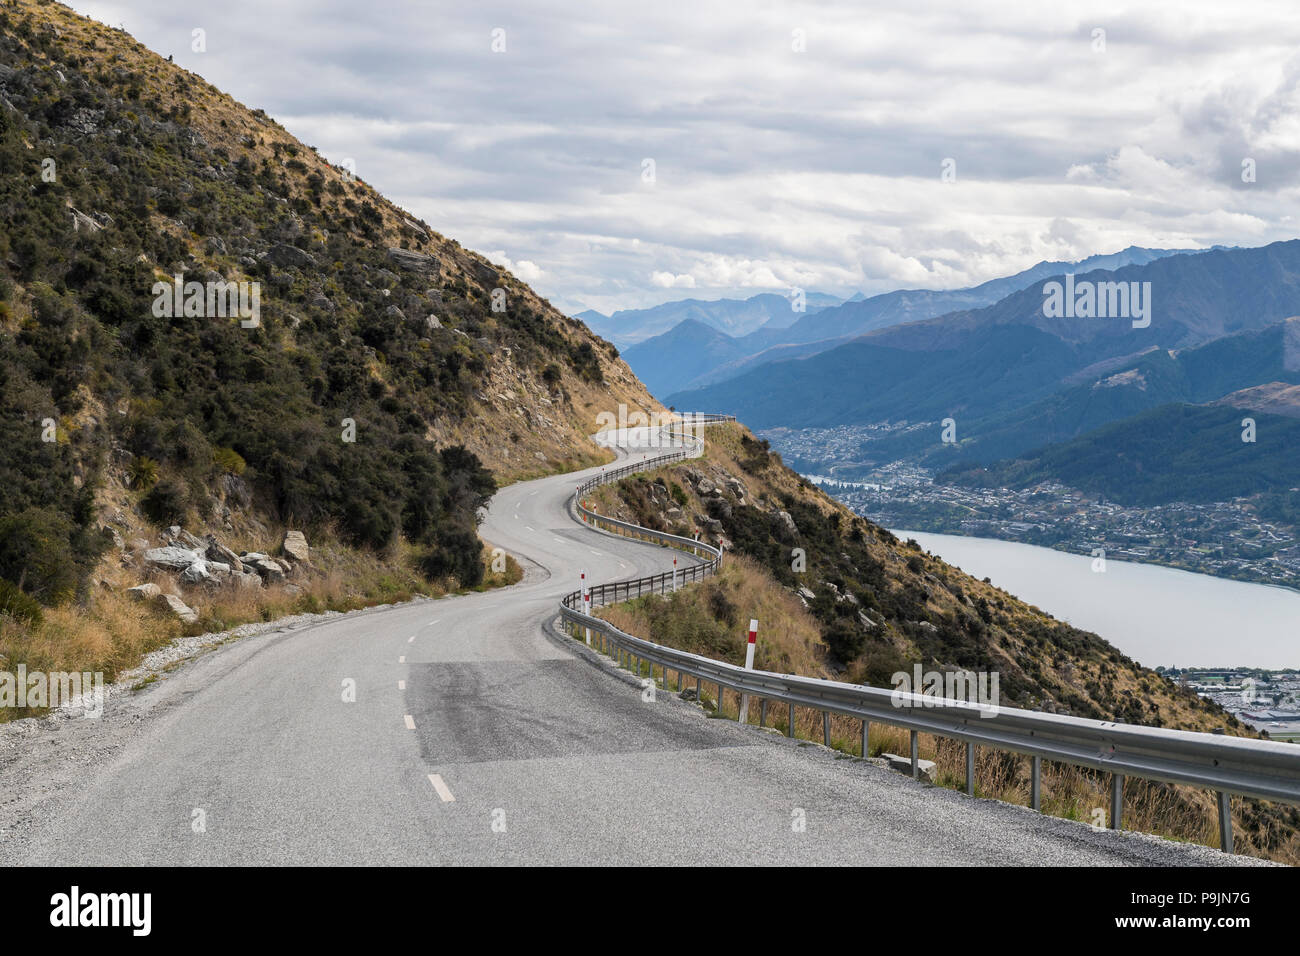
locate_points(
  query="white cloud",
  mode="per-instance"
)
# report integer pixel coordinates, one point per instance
(774, 168)
(666, 280)
(524, 269)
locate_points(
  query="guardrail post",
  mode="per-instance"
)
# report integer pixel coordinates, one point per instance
(1225, 821)
(826, 727)
(916, 757)
(1117, 801)
(970, 769)
(789, 728)
(749, 657)
(1036, 783)
(681, 679)
(762, 712)
(866, 729)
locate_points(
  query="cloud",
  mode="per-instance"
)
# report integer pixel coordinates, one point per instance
(666, 280)
(524, 268)
(776, 168)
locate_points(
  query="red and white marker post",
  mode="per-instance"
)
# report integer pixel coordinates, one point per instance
(674, 575)
(749, 666)
(586, 604)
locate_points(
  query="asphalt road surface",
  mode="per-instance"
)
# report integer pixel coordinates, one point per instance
(479, 736)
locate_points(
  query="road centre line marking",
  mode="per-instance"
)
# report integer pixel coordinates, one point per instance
(402, 659)
(410, 722)
(441, 787)
(401, 685)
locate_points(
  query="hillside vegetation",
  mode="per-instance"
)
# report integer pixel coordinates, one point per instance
(1172, 453)
(837, 596)
(386, 382)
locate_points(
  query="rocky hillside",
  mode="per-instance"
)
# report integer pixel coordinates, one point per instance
(840, 597)
(204, 324)
(882, 605)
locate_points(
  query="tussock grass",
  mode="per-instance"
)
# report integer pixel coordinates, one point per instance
(111, 632)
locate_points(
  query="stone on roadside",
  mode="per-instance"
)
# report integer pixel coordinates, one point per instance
(295, 546)
(220, 553)
(178, 559)
(925, 768)
(174, 605)
(144, 592)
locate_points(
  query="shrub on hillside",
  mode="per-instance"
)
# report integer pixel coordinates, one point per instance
(18, 605)
(44, 554)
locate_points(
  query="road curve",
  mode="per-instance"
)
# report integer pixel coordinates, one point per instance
(480, 736)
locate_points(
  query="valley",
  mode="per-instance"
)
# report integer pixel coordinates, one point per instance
(1228, 539)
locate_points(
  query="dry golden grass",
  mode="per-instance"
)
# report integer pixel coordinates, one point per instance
(112, 632)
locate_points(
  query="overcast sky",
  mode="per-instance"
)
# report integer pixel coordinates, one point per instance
(793, 144)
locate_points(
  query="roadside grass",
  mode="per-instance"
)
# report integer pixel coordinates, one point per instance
(111, 633)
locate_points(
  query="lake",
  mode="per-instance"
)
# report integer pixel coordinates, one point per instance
(1155, 615)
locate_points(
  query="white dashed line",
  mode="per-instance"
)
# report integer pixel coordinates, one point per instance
(401, 685)
(526, 528)
(411, 639)
(410, 722)
(402, 659)
(441, 788)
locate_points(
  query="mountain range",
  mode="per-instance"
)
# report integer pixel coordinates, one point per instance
(1019, 391)
(727, 354)
(735, 317)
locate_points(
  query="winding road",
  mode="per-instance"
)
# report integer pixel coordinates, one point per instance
(479, 735)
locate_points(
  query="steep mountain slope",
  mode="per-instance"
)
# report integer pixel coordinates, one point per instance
(1026, 354)
(323, 361)
(879, 605)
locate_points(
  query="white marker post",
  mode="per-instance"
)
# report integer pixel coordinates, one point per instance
(586, 606)
(749, 666)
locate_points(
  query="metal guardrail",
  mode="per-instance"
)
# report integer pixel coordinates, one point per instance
(1266, 770)
(685, 446)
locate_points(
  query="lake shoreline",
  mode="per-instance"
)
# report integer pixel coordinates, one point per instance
(1155, 614)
